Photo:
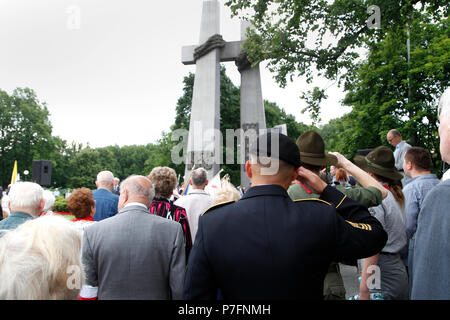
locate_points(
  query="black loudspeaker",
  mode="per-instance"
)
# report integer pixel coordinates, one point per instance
(42, 172)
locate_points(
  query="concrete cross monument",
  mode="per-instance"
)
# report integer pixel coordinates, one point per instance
(204, 147)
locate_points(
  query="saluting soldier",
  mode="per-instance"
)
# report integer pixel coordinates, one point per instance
(266, 246)
(314, 158)
(370, 193)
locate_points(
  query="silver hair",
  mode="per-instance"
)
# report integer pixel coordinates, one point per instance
(41, 260)
(25, 196)
(134, 187)
(199, 177)
(444, 103)
(49, 200)
(105, 176)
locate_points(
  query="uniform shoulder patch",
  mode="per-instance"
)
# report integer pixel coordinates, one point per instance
(362, 226)
(218, 205)
(313, 199)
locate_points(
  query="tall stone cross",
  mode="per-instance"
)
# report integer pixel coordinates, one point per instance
(203, 147)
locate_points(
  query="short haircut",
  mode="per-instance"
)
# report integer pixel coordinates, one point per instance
(80, 203)
(25, 195)
(41, 260)
(105, 176)
(444, 103)
(49, 200)
(164, 179)
(199, 177)
(283, 169)
(419, 157)
(395, 133)
(135, 188)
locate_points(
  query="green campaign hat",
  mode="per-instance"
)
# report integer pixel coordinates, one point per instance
(312, 150)
(381, 162)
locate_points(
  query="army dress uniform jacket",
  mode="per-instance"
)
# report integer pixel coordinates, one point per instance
(265, 246)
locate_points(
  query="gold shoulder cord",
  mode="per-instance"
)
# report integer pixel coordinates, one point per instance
(220, 204)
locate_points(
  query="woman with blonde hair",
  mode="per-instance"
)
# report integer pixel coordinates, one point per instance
(41, 260)
(227, 192)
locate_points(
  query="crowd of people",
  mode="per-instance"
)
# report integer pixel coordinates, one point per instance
(283, 238)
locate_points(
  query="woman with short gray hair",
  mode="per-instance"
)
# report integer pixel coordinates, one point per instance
(164, 180)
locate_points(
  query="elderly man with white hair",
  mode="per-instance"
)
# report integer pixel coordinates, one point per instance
(105, 201)
(431, 261)
(197, 201)
(26, 201)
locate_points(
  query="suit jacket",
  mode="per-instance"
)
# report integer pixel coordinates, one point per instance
(265, 246)
(431, 259)
(135, 255)
(105, 204)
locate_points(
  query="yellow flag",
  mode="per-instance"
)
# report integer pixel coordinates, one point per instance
(14, 173)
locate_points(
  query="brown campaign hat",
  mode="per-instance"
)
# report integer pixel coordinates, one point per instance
(381, 162)
(312, 150)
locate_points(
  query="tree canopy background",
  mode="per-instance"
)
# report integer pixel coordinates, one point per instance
(385, 86)
(77, 166)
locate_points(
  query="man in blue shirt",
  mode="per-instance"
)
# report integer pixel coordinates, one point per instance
(105, 201)
(416, 165)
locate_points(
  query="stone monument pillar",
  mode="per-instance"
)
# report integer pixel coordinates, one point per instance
(201, 148)
(252, 104)
(204, 147)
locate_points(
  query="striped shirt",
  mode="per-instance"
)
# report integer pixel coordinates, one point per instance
(166, 209)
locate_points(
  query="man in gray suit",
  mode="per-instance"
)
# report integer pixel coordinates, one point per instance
(134, 255)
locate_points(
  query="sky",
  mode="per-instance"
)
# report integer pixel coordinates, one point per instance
(110, 71)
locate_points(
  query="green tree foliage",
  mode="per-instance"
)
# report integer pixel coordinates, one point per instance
(385, 92)
(75, 166)
(85, 165)
(60, 156)
(25, 131)
(302, 38)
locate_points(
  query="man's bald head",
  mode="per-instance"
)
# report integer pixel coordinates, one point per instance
(394, 137)
(136, 189)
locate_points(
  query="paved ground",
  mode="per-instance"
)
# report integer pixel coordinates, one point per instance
(350, 277)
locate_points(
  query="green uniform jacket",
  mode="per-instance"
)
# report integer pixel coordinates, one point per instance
(368, 197)
(333, 288)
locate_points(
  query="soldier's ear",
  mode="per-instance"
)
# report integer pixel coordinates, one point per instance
(295, 174)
